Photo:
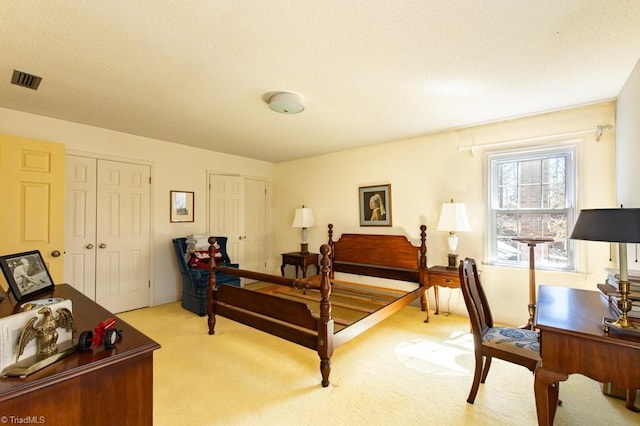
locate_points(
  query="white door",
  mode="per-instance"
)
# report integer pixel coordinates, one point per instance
(108, 231)
(255, 221)
(237, 210)
(226, 196)
(80, 224)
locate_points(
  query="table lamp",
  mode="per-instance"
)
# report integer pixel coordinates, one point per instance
(304, 219)
(620, 226)
(453, 218)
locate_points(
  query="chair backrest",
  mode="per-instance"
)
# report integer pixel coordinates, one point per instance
(222, 242)
(474, 297)
(180, 247)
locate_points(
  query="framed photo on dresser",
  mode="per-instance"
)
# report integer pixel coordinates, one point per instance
(26, 274)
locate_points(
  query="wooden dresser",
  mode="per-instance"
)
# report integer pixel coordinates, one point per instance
(97, 387)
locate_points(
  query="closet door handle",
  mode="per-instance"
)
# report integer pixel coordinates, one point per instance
(89, 246)
(55, 253)
(102, 245)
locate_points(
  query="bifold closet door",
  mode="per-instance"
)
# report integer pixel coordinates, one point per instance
(237, 210)
(108, 231)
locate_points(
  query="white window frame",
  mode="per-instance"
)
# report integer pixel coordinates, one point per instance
(492, 159)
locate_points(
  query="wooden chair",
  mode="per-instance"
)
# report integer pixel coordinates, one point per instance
(514, 345)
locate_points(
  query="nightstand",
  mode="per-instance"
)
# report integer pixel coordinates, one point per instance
(302, 260)
(441, 276)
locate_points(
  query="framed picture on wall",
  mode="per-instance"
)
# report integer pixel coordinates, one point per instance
(26, 274)
(375, 205)
(181, 206)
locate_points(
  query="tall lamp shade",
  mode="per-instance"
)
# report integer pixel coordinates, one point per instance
(304, 219)
(620, 226)
(453, 218)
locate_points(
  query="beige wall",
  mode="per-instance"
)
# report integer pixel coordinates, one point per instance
(424, 172)
(427, 171)
(174, 167)
(628, 142)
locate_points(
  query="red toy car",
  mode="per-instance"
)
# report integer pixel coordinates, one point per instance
(105, 333)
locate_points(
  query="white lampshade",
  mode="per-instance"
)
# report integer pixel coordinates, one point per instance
(304, 218)
(453, 218)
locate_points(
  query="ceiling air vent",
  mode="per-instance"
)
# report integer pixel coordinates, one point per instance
(25, 80)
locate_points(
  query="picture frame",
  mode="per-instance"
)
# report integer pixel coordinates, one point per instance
(181, 206)
(375, 205)
(26, 274)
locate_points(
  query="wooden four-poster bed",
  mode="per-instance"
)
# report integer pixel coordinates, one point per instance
(320, 312)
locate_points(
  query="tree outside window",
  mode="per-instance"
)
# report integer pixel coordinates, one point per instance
(531, 194)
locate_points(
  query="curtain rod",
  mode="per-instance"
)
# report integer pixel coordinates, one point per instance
(598, 131)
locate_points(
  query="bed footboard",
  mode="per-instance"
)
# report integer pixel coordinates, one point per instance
(291, 320)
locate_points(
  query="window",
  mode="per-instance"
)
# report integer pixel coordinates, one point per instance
(531, 194)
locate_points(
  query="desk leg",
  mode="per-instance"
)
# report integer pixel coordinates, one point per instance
(437, 296)
(282, 269)
(631, 399)
(546, 386)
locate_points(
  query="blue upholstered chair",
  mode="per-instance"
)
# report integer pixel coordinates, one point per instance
(195, 281)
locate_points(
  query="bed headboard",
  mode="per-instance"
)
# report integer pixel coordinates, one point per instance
(386, 256)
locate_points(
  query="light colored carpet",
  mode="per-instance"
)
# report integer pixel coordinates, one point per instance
(402, 371)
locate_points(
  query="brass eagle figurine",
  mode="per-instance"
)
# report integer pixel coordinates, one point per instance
(45, 331)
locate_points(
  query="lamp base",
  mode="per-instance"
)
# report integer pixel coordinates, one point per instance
(453, 261)
(620, 324)
(304, 248)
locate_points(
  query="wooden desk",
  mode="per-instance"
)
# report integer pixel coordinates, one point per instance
(572, 341)
(97, 387)
(441, 276)
(302, 260)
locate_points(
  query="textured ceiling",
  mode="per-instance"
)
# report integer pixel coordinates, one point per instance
(368, 71)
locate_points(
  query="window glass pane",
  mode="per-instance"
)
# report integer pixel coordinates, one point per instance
(531, 195)
(508, 185)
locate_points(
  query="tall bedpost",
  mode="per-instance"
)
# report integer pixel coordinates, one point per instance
(331, 247)
(325, 326)
(423, 271)
(211, 288)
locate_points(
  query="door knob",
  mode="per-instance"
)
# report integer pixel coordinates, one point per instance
(55, 253)
(89, 246)
(102, 245)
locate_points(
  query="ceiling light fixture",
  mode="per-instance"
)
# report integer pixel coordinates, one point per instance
(286, 103)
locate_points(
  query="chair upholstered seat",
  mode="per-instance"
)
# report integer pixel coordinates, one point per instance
(514, 340)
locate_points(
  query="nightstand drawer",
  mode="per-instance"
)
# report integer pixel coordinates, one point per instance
(444, 280)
